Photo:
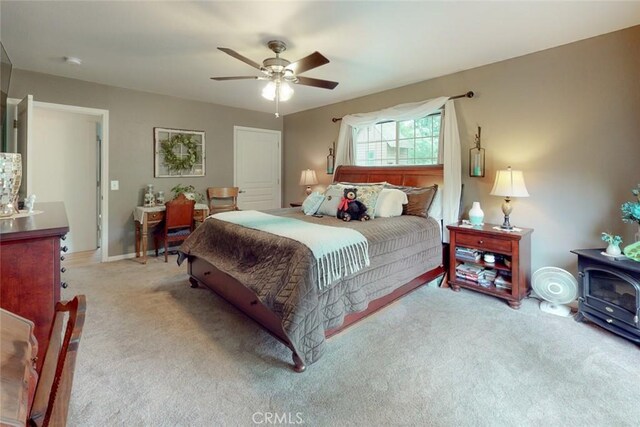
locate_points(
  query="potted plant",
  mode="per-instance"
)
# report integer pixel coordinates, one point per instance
(189, 191)
(614, 244)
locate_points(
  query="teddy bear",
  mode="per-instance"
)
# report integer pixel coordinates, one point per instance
(351, 208)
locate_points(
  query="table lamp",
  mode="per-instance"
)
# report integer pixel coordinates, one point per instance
(308, 178)
(508, 183)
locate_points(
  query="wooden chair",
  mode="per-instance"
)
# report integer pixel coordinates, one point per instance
(177, 225)
(51, 401)
(222, 199)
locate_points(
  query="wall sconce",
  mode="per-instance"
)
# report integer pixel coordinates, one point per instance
(476, 158)
(331, 159)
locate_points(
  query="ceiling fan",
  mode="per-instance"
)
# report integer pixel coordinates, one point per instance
(280, 72)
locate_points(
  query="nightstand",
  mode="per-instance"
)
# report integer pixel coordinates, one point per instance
(295, 204)
(508, 277)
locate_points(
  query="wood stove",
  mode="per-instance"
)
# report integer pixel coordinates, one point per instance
(609, 293)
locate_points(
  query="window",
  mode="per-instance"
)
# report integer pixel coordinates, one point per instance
(409, 142)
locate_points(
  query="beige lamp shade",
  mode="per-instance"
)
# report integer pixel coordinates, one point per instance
(308, 178)
(509, 183)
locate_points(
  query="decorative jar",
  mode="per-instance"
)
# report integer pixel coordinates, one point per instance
(160, 198)
(149, 197)
(476, 214)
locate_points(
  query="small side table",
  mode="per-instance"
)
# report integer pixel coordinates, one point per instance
(295, 204)
(514, 246)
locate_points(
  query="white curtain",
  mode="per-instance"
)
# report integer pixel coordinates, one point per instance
(415, 110)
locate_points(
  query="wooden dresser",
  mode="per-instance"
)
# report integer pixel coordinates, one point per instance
(30, 255)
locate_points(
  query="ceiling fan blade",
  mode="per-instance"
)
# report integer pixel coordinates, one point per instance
(307, 63)
(240, 57)
(220, 79)
(309, 81)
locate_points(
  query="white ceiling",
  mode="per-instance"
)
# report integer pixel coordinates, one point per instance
(170, 47)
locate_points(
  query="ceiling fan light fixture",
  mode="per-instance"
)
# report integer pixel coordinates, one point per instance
(286, 91)
(269, 91)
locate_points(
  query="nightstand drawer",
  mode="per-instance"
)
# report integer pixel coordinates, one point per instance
(484, 243)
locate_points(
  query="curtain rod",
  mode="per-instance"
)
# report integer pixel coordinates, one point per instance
(469, 94)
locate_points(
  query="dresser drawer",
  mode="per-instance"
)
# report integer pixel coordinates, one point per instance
(483, 243)
(155, 216)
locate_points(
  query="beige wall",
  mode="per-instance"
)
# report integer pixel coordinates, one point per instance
(132, 117)
(569, 117)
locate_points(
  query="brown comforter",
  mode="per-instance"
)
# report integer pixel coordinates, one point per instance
(282, 271)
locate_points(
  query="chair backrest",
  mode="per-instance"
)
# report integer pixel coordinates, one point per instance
(179, 213)
(222, 198)
(51, 401)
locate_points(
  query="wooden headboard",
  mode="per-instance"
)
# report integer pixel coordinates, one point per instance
(414, 176)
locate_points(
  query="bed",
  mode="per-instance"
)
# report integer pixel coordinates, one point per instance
(272, 279)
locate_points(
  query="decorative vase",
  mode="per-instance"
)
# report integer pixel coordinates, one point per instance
(149, 197)
(476, 215)
(160, 198)
(10, 178)
(613, 250)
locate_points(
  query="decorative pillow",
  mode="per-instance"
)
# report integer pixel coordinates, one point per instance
(312, 203)
(390, 202)
(332, 196)
(368, 194)
(420, 199)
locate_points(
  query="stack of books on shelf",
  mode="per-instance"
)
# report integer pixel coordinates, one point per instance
(487, 278)
(503, 281)
(469, 272)
(468, 254)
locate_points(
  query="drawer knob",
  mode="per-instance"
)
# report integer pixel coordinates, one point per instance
(63, 270)
(480, 241)
(609, 309)
(609, 320)
(64, 249)
(62, 258)
(206, 273)
(63, 237)
(64, 285)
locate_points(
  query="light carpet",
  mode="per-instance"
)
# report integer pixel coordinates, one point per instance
(157, 353)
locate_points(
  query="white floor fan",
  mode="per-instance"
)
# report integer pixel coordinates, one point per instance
(556, 287)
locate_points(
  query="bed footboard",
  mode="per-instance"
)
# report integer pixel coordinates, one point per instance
(203, 273)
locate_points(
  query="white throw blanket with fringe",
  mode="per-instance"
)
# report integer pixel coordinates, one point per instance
(338, 251)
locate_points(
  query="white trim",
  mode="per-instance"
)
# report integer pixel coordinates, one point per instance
(235, 154)
(104, 166)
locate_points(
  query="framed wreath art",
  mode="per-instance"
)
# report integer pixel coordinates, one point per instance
(178, 152)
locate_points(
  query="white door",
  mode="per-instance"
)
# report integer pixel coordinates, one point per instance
(23, 142)
(257, 168)
(64, 167)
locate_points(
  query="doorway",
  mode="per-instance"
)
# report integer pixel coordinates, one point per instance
(66, 151)
(257, 167)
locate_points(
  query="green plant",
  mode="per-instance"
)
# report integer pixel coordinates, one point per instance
(611, 239)
(178, 189)
(631, 210)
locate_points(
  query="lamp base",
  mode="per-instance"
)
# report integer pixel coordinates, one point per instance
(308, 190)
(506, 210)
